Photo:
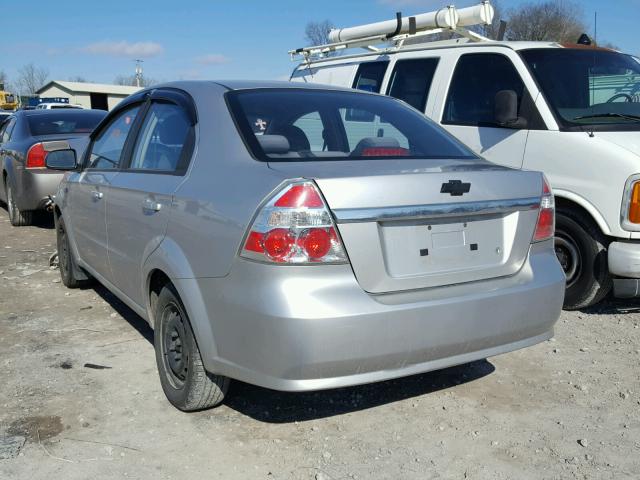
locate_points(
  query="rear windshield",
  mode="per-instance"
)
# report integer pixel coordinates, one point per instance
(64, 121)
(299, 125)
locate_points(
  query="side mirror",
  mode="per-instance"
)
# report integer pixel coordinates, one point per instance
(61, 160)
(505, 110)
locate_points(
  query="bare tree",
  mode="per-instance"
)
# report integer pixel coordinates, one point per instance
(3, 80)
(550, 20)
(31, 78)
(79, 79)
(317, 33)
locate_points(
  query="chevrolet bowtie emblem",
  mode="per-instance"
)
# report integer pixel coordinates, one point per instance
(455, 187)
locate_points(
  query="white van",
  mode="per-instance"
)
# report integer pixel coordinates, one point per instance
(571, 111)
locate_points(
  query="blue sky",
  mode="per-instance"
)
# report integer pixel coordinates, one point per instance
(213, 39)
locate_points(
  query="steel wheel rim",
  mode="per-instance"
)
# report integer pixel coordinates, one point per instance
(175, 350)
(569, 257)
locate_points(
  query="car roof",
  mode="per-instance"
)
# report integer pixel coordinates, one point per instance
(188, 85)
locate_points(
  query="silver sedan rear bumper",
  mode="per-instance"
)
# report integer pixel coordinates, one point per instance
(310, 328)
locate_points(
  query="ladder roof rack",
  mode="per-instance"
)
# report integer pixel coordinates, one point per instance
(394, 33)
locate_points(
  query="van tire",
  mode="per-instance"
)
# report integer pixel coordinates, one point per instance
(17, 217)
(582, 250)
(185, 382)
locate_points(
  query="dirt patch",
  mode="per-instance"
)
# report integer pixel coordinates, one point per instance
(34, 428)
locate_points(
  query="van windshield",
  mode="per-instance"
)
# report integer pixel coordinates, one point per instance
(588, 87)
(292, 124)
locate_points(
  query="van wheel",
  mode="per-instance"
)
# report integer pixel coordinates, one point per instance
(186, 383)
(582, 251)
(17, 217)
(68, 269)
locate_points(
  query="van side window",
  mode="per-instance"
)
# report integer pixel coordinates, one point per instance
(165, 142)
(411, 81)
(476, 80)
(369, 76)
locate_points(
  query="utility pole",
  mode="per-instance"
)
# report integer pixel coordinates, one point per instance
(138, 72)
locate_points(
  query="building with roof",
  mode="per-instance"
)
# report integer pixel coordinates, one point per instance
(89, 95)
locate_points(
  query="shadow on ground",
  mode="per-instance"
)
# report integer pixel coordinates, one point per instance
(614, 306)
(136, 321)
(270, 406)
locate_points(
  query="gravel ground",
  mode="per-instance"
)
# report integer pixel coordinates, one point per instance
(81, 399)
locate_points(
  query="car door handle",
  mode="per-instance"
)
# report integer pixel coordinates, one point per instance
(97, 195)
(150, 205)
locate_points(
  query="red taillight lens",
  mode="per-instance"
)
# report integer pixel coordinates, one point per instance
(278, 243)
(295, 227)
(316, 242)
(304, 195)
(36, 156)
(545, 228)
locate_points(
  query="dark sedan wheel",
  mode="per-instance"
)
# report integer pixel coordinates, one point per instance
(186, 383)
(582, 251)
(17, 217)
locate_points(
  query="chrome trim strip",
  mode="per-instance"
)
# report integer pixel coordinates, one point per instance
(417, 212)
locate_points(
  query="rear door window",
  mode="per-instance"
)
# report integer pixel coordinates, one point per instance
(476, 80)
(369, 76)
(165, 142)
(411, 80)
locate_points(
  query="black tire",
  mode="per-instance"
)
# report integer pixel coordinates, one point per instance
(68, 268)
(17, 217)
(582, 251)
(186, 383)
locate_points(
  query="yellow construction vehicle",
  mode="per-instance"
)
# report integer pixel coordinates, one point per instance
(8, 101)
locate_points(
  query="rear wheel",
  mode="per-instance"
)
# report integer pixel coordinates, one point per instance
(186, 383)
(17, 217)
(582, 251)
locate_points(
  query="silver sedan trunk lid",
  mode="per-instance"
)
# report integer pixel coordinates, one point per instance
(432, 226)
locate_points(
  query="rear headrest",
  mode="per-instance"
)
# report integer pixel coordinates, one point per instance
(277, 144)
(375, 142)
(173, 130)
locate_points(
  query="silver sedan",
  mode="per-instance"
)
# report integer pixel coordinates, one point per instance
(304, 238)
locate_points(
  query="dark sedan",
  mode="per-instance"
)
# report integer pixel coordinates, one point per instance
(26, 138)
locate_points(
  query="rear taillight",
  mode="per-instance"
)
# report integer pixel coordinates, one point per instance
(295, 227)
(546, 225)
(36, 156)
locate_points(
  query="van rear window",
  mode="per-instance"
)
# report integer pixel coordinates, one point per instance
(54, 122)
(292, 124)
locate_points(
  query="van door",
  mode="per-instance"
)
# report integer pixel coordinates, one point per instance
(141, 196)
(468, 111)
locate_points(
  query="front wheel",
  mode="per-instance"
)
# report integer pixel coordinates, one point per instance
(582, 251)
(17, 217)
(186, 383)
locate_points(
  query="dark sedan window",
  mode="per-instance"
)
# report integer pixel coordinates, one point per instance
(298, 125)
(53, 123)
